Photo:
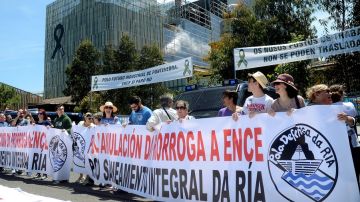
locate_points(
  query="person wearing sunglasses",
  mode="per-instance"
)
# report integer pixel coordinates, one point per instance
(88, 120)
(182, 110)
(288, 95)
(140, 113)
(43, 119)
(108, 110)
(319, 95)
(88, 123)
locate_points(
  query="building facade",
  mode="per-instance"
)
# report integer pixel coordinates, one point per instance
(180, 28)
(189, 27)
(68, 22)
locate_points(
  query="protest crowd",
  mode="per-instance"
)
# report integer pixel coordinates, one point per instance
(288, 101)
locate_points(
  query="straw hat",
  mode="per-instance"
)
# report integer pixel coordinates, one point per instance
(108, 104)
(286, 79)
(260, 78)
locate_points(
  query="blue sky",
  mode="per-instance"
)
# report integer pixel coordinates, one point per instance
(22, 42)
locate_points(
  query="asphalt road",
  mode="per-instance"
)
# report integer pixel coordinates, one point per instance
(65, 191)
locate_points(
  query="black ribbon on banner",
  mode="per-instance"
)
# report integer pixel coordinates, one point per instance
(58, 38)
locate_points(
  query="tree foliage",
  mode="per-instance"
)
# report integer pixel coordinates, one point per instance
(125, 58)
(79, 72)
(345, 14)
(8, 97)
(270, 22)
(90, 103)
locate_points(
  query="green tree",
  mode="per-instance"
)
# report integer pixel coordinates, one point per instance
(150, 56)
(271, 22)
(345, 14)
(79, 72)
(90, 103)
(120, 60)
(299, 70)
(8, 97)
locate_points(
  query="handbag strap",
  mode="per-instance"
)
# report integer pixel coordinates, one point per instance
(167, 113)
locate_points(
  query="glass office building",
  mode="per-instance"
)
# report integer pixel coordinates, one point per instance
(68, 22)
(180, 28)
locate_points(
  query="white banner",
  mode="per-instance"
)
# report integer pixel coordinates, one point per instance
(170, 71)
(8, 194)
(281, 158)
(36, 149)
(339, 43)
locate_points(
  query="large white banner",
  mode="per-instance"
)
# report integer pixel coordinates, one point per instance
(339, 43)
(302, 157)
(36, 149)
(170, 71)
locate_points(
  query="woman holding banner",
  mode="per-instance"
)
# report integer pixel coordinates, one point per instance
(42, 120)
(337, 97)
(288, 95)
(108, 110)
(87, 123)
(182, 110)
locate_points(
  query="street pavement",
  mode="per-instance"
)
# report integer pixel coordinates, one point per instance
(65, 191)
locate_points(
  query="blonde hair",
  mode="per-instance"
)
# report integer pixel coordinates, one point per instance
(310, 93)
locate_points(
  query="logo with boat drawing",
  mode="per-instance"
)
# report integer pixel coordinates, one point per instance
(57, 153)
(302, 164)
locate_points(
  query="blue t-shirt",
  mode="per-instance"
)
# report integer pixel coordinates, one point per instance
(4, 124)
(111, 120)
(44, 123)
(140, 117)
(23, 122)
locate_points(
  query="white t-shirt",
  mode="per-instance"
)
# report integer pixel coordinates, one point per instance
(257, 104)
(159, 116)
(350, 110)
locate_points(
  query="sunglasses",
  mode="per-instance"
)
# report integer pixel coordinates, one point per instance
(277, 83)
(90, 118)
(180, 107)
(108, 107)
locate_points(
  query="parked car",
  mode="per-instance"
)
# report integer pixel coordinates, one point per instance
(77, 117)
(206, 102)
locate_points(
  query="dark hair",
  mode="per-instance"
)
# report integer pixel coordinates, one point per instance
(104, 114)
(58, 106)
(231, 94)
(43, 112)
(291, 92)
(251, 77)
(135, 100)
(337, 91)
